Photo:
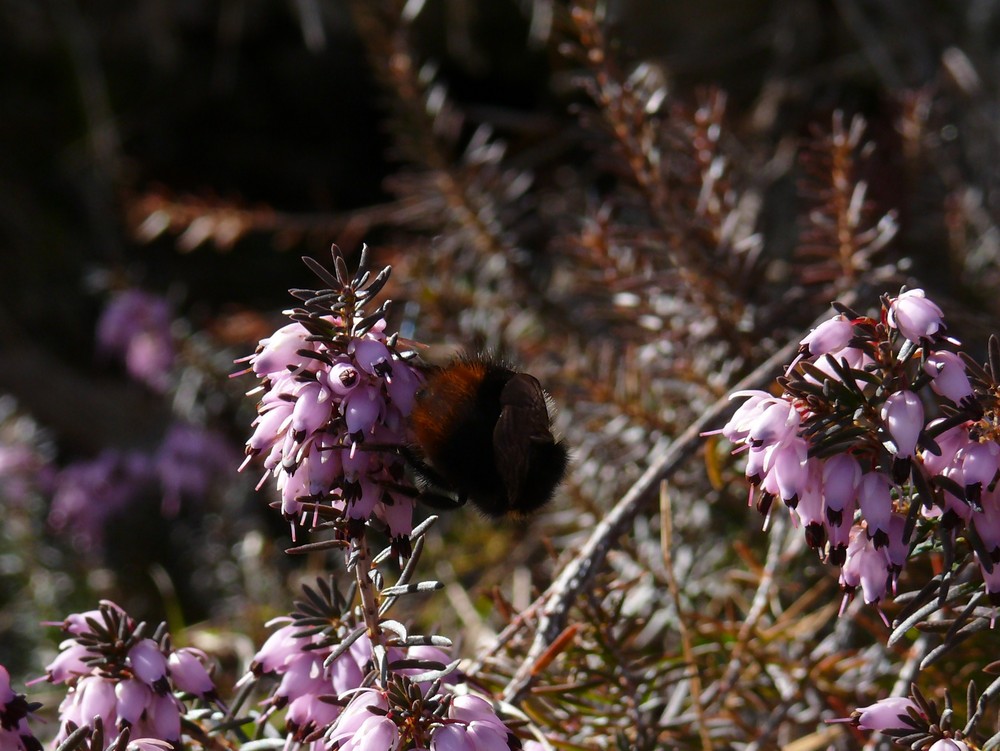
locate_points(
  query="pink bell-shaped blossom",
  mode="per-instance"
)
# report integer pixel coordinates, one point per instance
(188, 673)
(278, 351)
(15, 735)
(915, 316)
(132, 699)
(375, 734)
(950, 442)
(885, 714)
(948, 376)
(149, 664)
(788, 470)
(987, 523)
(980, 463)
(738, 426)
(991, 578)
(776, 423)
(348, 725)
(312, 409)
(866, 566)
(841, 478)
(829, 337)
(903, 416)
(343, 378)
(373, 357)
(875, 502)
(948, 744)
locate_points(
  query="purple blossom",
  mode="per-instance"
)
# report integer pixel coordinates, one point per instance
(980, 462)
(885, 714)
(787, 471)
(875, 501)
(188, 672)
(915, 316)
(841, 479)
(15, 735)
(903, 415)
(948, 744)
(114, 674)
(333, 409)
(948, 375)
(866, 566)
(135, 328)
(188, 461)
(90, 493)
(307, 677)
(828, 338)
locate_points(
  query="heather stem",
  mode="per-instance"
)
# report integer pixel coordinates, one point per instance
(360, 560)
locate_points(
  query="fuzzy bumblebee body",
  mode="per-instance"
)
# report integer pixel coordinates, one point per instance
(484, 430)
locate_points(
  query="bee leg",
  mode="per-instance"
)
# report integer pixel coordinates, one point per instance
(430, 496)
(440, 501)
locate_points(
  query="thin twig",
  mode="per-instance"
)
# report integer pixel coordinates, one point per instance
(579, 572)
(666, 545)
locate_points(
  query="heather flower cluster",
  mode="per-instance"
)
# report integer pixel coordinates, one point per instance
(135, 328)
(880, 426)
(912, 722)
(327, 682)
(88, 494)
(405, 716)
(335, 398)
(121, 676)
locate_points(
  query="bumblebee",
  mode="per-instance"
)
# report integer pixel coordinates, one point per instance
(484, 432)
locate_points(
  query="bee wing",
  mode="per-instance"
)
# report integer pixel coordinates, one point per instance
(523, 421)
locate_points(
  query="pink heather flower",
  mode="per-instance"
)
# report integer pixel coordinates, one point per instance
(948, 744)
(980, 463)
(948, 375)
(132, 698)
(375, 734)
(123, 680)
(135, 327)
(898, 549)
(332, 389)
(305, 677)
(991, 578)
(866, 566)
(149, 664)
(810, 510)
(987, 523)
(886, 714)
(738, 426)
(828, 338)
(875, 502)
(959, 508)
(89, 494)
(474, 727)
(903, 415)
(355, 714)
(841, 478)
(950, 442)
(188, 461)
(188, 673)
(787, 470)
(777, 423)
(15, 735)
(915, 316)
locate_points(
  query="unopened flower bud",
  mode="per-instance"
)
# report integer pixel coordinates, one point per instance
(903, 415)
(914, 315)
